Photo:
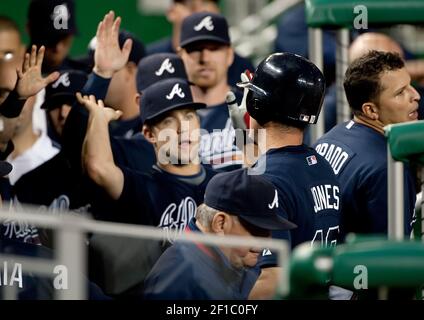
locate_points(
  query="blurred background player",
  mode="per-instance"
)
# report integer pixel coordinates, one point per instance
(378, 89)
(190, 271)
(54, 183)
(177, 12)
(52, 23)
(207, 54)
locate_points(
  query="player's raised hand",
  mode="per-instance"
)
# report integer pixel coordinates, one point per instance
(108, 56)
(97, 108)
(30, 81)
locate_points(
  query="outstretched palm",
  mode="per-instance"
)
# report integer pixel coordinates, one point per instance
(97, 108)
(30, 80)
(108, 56)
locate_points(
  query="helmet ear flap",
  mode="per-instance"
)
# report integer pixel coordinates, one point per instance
(259, 110)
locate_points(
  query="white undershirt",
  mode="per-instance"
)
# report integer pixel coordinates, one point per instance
(41, 151)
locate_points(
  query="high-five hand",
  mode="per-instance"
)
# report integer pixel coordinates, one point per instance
(108, 56)
(30, 81)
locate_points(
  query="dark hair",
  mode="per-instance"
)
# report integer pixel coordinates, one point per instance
(7, 23)
(362, 79)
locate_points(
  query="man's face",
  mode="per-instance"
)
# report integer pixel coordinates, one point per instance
(207, 63)
(55, 55)
(11, 57)
(58, 117)
(244, 256)
(177, 137)
(398, 102)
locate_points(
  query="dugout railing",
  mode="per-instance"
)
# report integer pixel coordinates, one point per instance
(71, 247)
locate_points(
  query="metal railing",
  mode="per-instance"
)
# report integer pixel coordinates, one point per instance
(70, 250)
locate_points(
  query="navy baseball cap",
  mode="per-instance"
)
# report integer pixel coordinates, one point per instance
(5, 168)
(203, 26)
(49, 21)
(159, 66)
(138, 50)
(250, 197)
(166, 95)
(63, 90)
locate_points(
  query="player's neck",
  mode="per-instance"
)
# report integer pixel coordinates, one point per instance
(181, 170)
(211, 96)
(276, 137)
(373, 124)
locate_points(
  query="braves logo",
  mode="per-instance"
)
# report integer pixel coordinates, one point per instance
(274, 203)
(206, 23)
(176, 90)
(63, 79)
(175, 218)
(165, 66)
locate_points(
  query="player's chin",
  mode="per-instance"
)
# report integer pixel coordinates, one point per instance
(205, 82)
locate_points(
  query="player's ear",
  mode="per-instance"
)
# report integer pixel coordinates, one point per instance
(148, 134)
(137, 98)
(221, 223)
(230, 56)
(370, 110)
(179, 51)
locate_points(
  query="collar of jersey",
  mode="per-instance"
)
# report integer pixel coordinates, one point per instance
(195, 179)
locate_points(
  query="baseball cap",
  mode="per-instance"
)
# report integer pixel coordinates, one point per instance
(138, 50)
(250, 197)
(166, 95)
(204, 26)
(49, 21)
(157, 67)
(64, 88)
(5, 168)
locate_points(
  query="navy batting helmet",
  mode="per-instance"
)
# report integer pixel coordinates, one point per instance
(286, 88)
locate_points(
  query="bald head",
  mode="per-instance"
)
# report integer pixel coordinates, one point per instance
(373, 41)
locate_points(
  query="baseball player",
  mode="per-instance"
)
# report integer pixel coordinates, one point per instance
(54, 183)
(29, 82)
(166, 197)
(207, 54)
(177, 12)
(236, 203)
(284, 96)
(378, 89)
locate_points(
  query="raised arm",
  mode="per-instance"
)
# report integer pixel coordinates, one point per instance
(30, 82)
(97, 157)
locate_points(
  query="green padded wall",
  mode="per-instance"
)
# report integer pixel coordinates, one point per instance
(339, 13)
(406, 141)
(89, 13)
